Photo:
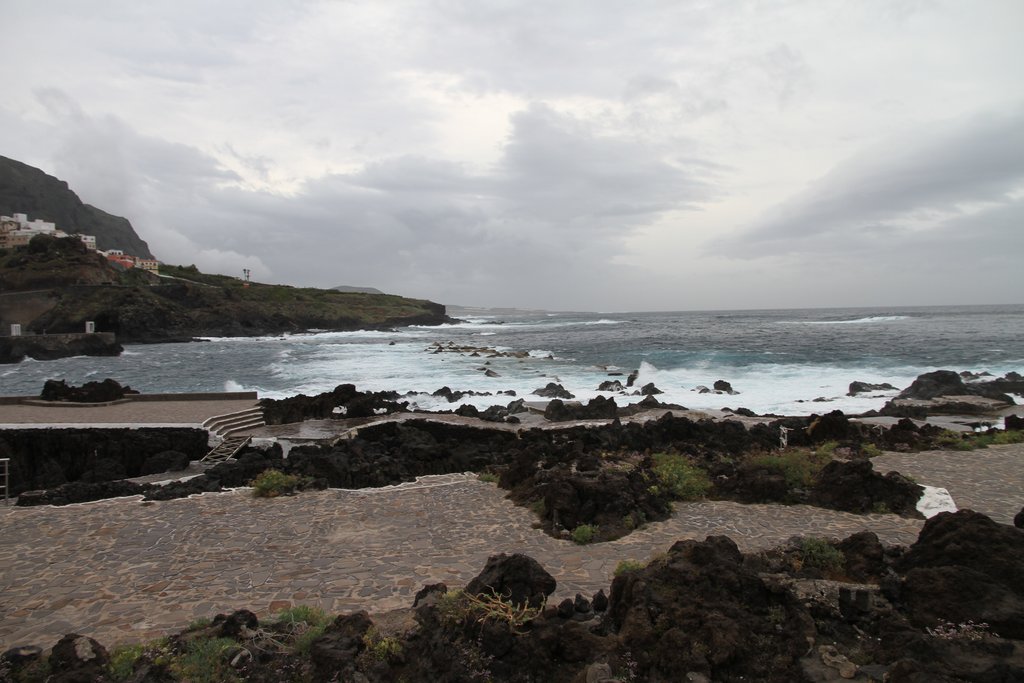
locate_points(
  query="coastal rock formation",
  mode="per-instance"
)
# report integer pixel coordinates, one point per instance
(90, 392)
(699, 609)
(52, 347)
(854, 486)
(342, 401)
(965, 567)
(945, 392)
(553, 390)
(864, 387)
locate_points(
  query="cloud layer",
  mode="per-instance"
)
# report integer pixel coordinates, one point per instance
(660, 155)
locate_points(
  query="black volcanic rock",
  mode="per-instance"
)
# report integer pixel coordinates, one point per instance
(90, 392)
(519, 578)
(854, 486)
(966, 567)
(863, 387)
(948, 383)
(699, 608)
(553, 390)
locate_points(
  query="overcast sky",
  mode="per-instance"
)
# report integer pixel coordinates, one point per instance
(612, 156)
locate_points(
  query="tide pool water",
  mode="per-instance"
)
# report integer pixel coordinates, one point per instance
(779, 361)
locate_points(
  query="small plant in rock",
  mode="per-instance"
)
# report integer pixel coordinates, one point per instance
(303, 624)
(679, 478)
(584, 534)
(951, 440)
(272, 483)
(626, 566)
(379, 647)
(456, 607)
(870, 450)
(798, 467)
(123, 658)
(205, 660)
(967, 631)
(819, 553)
(489, 477)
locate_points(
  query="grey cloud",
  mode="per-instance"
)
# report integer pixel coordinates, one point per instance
(925, 175)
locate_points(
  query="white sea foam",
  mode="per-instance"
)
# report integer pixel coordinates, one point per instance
(857, 321)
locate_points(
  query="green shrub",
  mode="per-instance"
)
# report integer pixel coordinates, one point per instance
(870, 450)
(272, 483)
(1007, 436)
(489, 477)
(819, 553)
(584, 534)
(122, 661)
(206, 661)
(380, 647)
(799, 467)
(628, 566)
(951, 440)
(827, 448)
(305, 624)
(679, 478)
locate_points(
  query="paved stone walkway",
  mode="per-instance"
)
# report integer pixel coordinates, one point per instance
(990, 480)
(128, 414)
(126, 570)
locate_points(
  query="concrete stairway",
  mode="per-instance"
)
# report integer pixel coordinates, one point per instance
(222, 426)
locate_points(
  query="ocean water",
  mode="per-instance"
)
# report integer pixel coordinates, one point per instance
(779, 361)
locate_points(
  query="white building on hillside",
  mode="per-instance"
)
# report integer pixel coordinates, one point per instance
(18, 230)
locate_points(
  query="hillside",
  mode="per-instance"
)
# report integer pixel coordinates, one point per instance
(56, 286)
(28, 190)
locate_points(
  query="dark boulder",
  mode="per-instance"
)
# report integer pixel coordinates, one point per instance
(1018, 519)
(1014, 422)
(611, 385)
(724, 387)
(864, 557)
(932, 385)
(91, 392)
(597, 408)
(699, 609)
(834, 426)
(854, 486)
(77, 659)
(650, 390)
(517, 578)
(965, 567)
(864, 387)
(553, 390)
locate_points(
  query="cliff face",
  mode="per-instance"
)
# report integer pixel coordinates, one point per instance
(28, 190)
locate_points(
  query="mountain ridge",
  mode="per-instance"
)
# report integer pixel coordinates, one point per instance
(29, 190)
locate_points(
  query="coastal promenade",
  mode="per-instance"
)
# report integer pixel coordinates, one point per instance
(130, 413)
(126, 570)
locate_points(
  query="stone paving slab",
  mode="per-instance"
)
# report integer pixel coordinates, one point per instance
(989, 480)
(126, 570)
(130, 414)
